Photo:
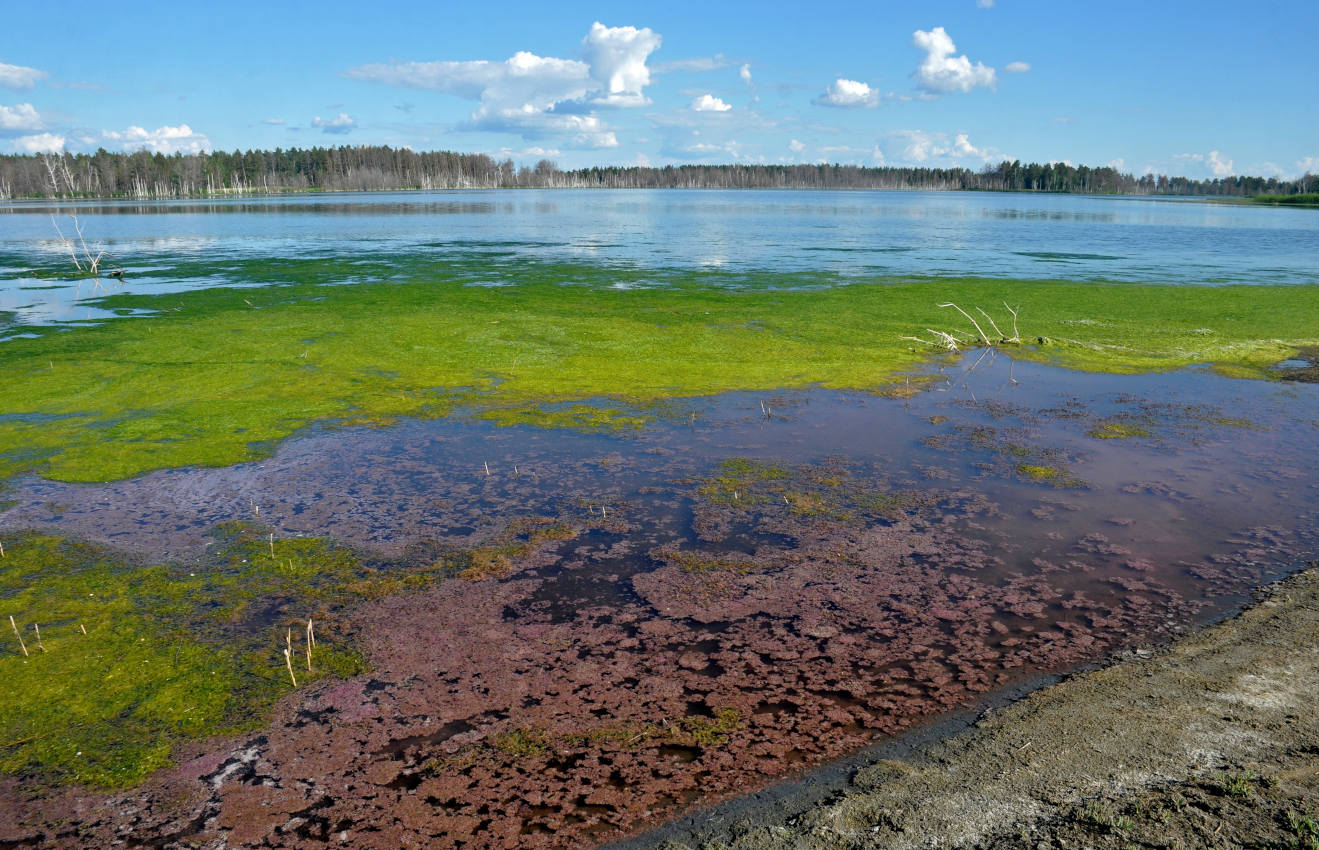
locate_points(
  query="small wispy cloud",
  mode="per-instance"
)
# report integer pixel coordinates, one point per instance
(338, 125)
(1016, 67)
(696, 64)
(21, 118)
(1214, 162)
(848, 94)
(20, 77)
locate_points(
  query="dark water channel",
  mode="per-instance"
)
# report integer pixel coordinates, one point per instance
(756, 583)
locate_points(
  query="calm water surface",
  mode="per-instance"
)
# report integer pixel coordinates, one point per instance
(847, 234)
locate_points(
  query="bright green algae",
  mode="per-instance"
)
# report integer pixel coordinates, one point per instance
(133, 658)
(218, 376)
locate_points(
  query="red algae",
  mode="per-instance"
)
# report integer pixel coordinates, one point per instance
(702, 624)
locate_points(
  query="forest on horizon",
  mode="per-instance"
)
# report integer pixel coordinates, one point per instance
(146, 176)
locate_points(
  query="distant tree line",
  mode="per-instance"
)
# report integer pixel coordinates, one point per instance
(144, 175)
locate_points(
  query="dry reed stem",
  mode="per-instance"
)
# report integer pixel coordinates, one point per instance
(288, 656)
(2, 549)
(41, 645)
(311, 642)
(272, 545)
(14, 626)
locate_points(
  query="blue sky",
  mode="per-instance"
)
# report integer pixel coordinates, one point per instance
(1197, 88)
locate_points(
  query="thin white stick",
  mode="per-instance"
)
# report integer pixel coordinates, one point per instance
(979, 330)
(14, 626)
(37, 626)
(288, 656)
(992, 323)
(73, 255)
(1016, 336)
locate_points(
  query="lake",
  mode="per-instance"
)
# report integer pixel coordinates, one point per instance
(558, 636)
(840, 234)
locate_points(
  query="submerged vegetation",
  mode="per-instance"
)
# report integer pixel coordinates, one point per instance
(112, 663)
(1300, 199)
(217, 376)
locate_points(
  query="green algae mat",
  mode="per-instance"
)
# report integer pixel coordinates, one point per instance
(219, 376)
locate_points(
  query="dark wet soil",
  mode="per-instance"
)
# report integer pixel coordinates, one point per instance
(1304, 367)
(744, 596)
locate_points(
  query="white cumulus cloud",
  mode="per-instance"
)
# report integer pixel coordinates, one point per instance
(709, 103)
(1221, 166)
(1016, 67)
(40, 143)
(848, 94)
(540, 97)
(19, 77)
(161, 140)
(338, 125)
(796, 146)
(524, 82)
(617, 56)
(920, 147)
(962, 147)
(745, 73)
(20, 118)
(1307, 165)
(575, 131)
(1214, 162)
(941, 72)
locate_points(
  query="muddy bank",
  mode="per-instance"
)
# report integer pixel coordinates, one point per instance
(1210, 742)
(642, 624)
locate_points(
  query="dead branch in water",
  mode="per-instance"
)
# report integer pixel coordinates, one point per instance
(953, 341)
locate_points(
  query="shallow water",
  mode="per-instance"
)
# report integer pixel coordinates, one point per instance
(811, 233)
(826, 568)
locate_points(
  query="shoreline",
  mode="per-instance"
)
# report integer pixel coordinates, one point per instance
(1216, 717)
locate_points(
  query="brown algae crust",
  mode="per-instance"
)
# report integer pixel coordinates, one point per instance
(1212, 739)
